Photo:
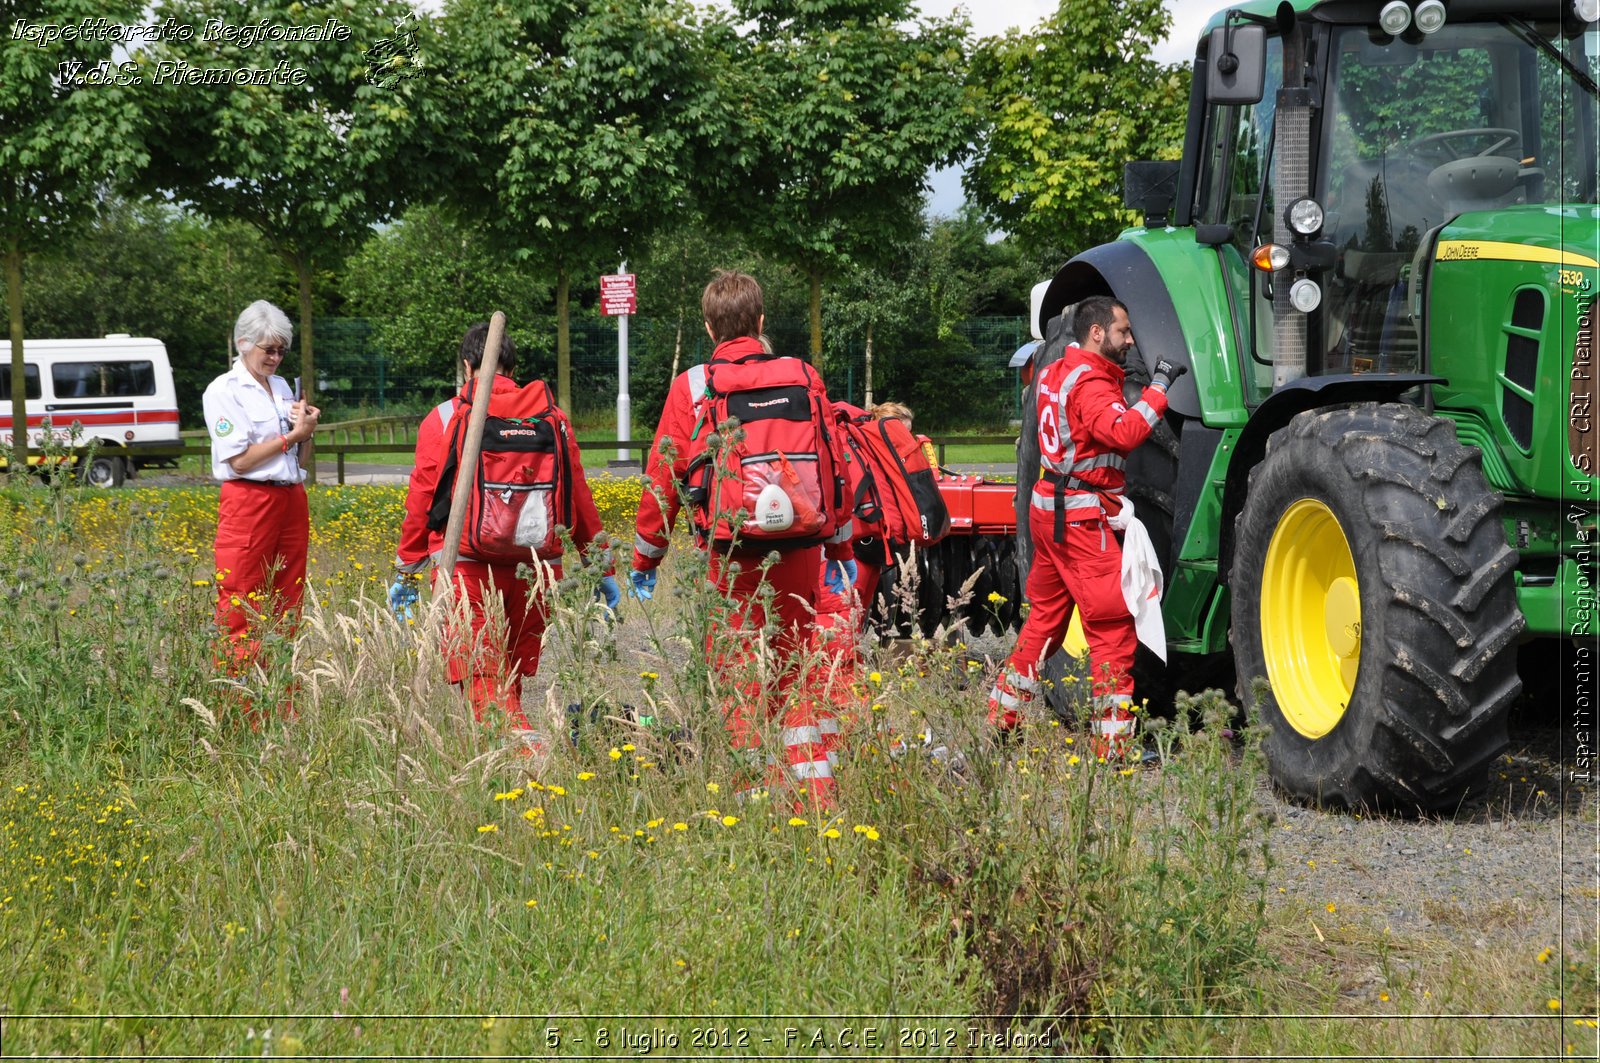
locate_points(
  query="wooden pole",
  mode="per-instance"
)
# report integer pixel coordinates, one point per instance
(466, 471)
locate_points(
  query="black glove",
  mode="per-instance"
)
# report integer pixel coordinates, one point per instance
(1166, 374)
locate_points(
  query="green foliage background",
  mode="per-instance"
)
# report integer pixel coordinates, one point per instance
(522, 149)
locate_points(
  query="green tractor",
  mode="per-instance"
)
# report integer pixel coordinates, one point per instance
(1379, 256)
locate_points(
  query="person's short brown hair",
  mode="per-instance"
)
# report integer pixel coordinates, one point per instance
(898, 410)
(477, 338)
(1096, 310)
(732, 306)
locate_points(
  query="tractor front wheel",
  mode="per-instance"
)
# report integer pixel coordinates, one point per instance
(1373, 595)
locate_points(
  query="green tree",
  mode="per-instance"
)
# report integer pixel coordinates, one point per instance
(857, 99)
(878, 310)
(334, 142)
(1065, 106)
(584, 127)
(149, 269)
(425, 279)
(915, 309)
(68, 127)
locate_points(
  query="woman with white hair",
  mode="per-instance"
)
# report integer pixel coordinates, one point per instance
(263, 526)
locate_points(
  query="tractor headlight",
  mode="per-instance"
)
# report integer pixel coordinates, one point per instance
(1395, 17)
(1430, 16)
(1304, 216)
(1305, 295)
(1586, 10)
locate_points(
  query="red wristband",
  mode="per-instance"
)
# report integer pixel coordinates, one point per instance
(285, 441)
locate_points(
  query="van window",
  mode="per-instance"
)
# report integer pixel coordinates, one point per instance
(30, 378)
(103, 380)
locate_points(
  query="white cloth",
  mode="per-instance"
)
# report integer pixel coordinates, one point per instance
(1142, 583)
(240, 413)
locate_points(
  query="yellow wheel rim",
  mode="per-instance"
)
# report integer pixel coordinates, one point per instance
(1310, 618)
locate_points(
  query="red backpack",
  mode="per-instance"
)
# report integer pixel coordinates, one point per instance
(778, 485)
(892, 484)
(521, 491)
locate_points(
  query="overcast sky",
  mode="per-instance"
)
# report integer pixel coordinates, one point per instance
(997, 16)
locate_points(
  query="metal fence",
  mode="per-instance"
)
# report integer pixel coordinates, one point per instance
(961, 380)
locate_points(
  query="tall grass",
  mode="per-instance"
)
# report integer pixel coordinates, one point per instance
(313, 886)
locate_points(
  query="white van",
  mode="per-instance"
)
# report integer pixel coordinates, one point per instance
(116, 391)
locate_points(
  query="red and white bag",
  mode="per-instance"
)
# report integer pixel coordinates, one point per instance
(775, 483)
(521, 495)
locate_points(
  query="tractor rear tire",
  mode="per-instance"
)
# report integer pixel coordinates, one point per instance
(1373, 592)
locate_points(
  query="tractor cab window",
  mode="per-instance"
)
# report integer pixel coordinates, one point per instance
(1568, 70)
(1475, 117)
(1235, 189)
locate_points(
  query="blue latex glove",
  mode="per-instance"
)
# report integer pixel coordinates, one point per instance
(609, 592)
(839, 576)
(403, 595)
(642, 585)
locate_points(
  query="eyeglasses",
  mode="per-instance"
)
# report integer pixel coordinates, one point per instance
(276, 352)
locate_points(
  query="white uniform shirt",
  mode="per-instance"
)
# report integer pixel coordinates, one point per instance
(239, 414)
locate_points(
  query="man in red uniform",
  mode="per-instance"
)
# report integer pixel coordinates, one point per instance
(495, 656)
(1086, 432)
(732, 308)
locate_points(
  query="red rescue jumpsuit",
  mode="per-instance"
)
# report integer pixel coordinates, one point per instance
(1085, 434)
(733, 640)
(506, 619)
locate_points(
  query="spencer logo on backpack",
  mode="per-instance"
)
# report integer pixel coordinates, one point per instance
(521, 495)
(776, 485)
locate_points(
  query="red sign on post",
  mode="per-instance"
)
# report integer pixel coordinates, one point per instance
(618, 294)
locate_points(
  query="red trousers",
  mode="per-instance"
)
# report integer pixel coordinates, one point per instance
(1084, 571)
(867, 575)
(262, 536)
(834, 679)
(503, 639)
(733, 646)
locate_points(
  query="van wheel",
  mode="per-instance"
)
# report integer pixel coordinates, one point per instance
(105, 471)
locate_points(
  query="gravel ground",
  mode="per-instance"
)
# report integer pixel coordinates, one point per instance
(1512, 866)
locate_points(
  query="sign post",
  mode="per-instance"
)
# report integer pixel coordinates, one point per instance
(619, 299)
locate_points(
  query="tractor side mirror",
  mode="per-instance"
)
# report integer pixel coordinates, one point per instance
(1150, 188)
(1236, 66)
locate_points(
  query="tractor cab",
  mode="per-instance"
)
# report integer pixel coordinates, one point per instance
(1330, 177)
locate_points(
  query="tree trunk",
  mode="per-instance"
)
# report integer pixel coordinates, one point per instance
(308, 365)
(19, 380)
(563, 341)
(677, 349)
(867, 396)
(816, 316)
